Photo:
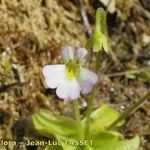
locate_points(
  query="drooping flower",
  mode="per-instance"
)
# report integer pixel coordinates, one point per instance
(70, 79)
(98, 40)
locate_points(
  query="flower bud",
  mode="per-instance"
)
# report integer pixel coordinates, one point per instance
(98, 40)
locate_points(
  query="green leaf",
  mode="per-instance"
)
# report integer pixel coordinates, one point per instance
(49, 124)
(108, 141)
(101, 118)
(88, 147)
(65, 145)
(75, 144)
(64, 129)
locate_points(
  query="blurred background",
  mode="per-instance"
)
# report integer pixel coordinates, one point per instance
(32, 34)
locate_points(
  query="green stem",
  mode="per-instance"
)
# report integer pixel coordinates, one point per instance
(77, 117)
(91, 97)
(88, 113)
(130, 110)
(135, 71)
(98, 61)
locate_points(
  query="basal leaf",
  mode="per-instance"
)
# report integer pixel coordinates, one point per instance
(75, 144)
(102, 118)
(108, 141)
(49, 124)
(65, 144)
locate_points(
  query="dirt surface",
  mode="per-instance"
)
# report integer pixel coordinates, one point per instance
(32, 35)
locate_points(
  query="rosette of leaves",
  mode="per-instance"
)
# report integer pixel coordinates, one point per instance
(63, 129)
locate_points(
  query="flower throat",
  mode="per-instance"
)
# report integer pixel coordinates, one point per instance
(72, 69)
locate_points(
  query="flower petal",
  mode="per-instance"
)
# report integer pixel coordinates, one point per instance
(97, 46)
(81, 53)
(68, 89)
(87, 79)
(105, 45)
(85, 87)
(68, 53)
(53, 75)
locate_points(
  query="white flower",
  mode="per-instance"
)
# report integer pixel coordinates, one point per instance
(70, 79)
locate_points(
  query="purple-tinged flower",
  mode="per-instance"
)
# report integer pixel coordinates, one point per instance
(70, 79)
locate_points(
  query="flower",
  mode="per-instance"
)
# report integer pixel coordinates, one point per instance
(70, 79)
(98, 40)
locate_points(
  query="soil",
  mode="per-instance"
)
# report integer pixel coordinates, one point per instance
(32, 35)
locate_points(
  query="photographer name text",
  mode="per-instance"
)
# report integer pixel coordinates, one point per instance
(49, 142)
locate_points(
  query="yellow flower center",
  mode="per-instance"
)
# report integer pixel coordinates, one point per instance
(72, 69)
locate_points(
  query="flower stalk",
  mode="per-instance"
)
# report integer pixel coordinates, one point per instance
(129, 110)
(98, 61)
(88, 113)
(78, 117)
